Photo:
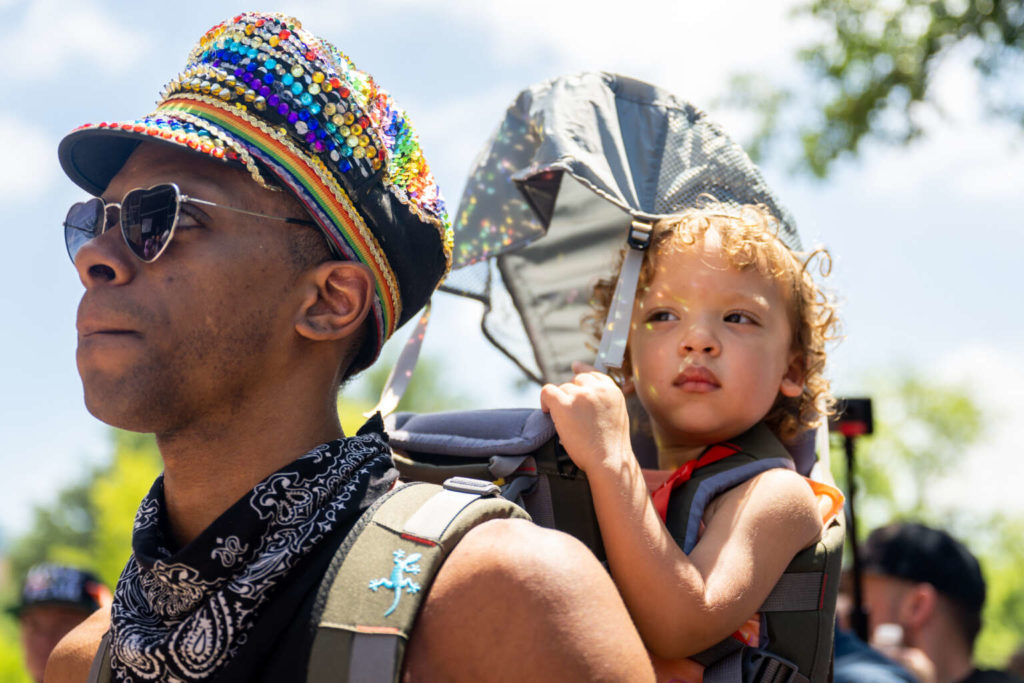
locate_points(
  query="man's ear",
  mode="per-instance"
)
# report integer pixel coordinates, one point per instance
(337, 298)
(792, 384)
(918, 605)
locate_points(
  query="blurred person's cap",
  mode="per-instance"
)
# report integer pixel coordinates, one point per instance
(921, 554)
(52, 584)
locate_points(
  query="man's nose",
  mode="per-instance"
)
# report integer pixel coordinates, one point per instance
(105, 259)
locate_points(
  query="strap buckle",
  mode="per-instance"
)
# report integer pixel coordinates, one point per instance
(477, 487)
(639, 236)
(760, 666)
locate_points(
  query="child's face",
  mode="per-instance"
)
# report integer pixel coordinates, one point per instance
(711, 347)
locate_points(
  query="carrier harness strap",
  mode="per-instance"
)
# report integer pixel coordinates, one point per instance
(100, 671)
(752, 665)
(660, 496)
(797, 616)
(401, 374)
(615, 332)
(369, 598)
(794, 592)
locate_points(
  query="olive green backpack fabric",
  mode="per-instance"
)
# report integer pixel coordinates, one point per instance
(368, 600)
(798, 617)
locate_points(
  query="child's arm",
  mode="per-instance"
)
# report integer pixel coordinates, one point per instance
(681, 605)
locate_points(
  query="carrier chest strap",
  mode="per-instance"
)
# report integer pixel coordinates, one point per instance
(371, 594)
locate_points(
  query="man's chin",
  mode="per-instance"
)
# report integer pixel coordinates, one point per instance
(109, 402)
(115, 416)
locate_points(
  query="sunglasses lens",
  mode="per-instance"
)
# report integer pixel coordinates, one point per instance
(83, 222)
(147, 219)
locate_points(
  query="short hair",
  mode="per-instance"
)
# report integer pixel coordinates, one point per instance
(308, 247)
(750, 240)
(921, 554)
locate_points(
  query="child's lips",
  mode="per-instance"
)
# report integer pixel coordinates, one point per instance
(696, 379)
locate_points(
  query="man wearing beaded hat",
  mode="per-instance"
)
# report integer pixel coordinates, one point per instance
(251, 245)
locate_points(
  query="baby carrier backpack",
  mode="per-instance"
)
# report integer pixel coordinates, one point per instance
(518, 449)
(581, 166)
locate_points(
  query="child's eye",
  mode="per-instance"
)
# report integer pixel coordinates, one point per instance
(662, 316)
(738, 317)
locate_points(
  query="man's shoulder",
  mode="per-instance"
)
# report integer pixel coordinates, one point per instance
(857, 662)
(512, 587)
(71, 660)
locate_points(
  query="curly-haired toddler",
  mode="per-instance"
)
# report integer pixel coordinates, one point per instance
(727, 346)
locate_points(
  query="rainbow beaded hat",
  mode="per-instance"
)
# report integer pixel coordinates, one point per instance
(260, 92)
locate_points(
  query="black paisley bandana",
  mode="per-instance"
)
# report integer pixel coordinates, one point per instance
(182, 616)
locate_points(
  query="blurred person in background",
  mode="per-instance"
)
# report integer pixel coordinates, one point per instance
(54, 600)
(1015, 665)
(923, 593)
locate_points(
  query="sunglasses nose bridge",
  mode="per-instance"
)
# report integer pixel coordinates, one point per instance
(111, 216)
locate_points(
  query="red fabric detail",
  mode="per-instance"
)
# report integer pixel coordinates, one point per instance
(417, 539)
(682, 475)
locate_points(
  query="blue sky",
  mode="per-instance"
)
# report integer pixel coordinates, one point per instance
(925, 240)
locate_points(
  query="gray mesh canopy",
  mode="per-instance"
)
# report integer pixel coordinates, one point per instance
(551, 197)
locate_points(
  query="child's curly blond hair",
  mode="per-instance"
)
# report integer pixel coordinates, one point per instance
(749, 239)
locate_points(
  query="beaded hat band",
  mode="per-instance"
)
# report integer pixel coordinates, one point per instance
(260, 92)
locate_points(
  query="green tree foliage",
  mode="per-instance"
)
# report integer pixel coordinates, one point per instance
(12, 664)
(922, 431)
(999, 542)
(877, 66)
(429, 391)
(90, 523)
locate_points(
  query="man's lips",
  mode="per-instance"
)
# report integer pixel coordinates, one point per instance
(91, 328)
(696, 378)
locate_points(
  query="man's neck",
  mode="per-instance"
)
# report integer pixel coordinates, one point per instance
(943, 644)
(210, 466)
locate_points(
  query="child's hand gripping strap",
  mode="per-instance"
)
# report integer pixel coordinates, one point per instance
(616, 326)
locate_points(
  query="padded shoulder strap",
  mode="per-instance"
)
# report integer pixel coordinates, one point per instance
(757, 451)
(370, 596)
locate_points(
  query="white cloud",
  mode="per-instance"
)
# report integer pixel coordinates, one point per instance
(72, 32)
(987, 478)
(28, 151)
(976, 159)
(687, 47)
(453, 131)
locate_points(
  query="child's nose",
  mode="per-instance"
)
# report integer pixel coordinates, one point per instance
(699, 339)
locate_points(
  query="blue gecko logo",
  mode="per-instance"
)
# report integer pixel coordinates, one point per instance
(398, 581)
